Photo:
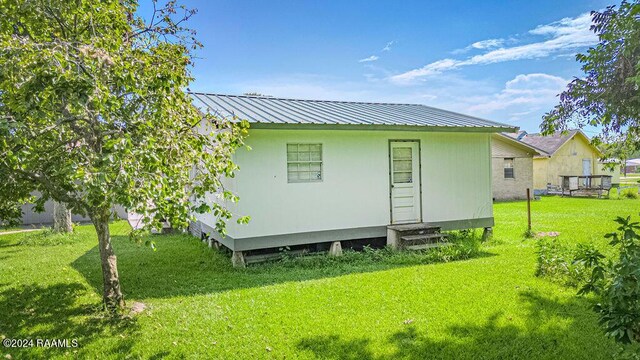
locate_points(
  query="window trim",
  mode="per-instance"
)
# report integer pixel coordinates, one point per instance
(513, 168)
(321, 162)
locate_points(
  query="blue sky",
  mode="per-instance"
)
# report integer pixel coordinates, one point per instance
(483, 58)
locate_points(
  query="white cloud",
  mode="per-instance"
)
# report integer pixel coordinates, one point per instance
(567, 34)
(521, 96)
(369, 59)
(388, 46)
(487, 44)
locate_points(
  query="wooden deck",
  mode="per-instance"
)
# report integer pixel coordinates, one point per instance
(582, 185)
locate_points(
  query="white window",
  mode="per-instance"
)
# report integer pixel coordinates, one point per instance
(508, 168)
(304, 162)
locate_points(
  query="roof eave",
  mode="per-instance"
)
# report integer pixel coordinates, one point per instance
(521, 144)
(470, 129)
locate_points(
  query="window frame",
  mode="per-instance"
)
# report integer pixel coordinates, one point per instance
(320, 162)
(512, 168)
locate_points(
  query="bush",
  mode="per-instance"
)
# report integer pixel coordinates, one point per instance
(630, 194)
(617, 283)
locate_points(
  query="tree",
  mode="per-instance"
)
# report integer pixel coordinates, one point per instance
(62, 218)
(93, 113)
(608, 96)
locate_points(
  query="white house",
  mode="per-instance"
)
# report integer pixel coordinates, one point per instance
(328, 171)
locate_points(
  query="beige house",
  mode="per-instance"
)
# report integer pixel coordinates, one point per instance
(512, 167)
(569, 153)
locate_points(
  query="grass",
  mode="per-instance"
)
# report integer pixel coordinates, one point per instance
(630, 179)
(368, 306)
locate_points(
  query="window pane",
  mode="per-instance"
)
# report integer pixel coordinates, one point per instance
(402, 153)
(401, 165)
(303, 156)
(508, 173)
(304, 162)
(402, 177)
(508, 163)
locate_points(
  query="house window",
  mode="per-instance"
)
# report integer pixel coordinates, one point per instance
(508, 168)
(304, 162)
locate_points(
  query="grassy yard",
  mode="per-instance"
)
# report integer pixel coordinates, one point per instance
(630, 179)
(491, 306)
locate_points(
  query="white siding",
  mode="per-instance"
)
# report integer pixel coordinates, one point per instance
(456, 181)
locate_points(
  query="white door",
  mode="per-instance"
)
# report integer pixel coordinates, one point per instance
(405, 182)
(586, 170)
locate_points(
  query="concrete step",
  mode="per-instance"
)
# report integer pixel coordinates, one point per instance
(427, 246)
(426, 227)
(423, 237)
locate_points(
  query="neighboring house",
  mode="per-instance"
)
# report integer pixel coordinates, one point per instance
(30, 217)
(326, 171)
(568, 153)
(512, 164)
(631, 166)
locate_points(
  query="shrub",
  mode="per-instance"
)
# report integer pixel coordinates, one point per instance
(629, 194)
(617, 283)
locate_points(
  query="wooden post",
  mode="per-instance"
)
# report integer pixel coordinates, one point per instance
(529, 209)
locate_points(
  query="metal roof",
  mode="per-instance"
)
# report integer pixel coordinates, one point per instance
(270, 112)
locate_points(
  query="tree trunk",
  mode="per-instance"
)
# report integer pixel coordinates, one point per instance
(112, 295)
(61, 218)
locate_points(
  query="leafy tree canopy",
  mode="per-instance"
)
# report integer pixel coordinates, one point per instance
(608, 96)
(93, 113)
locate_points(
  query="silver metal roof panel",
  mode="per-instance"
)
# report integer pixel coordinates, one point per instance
(270, 112)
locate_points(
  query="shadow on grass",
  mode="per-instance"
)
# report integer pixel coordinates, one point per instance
(183, 266)
(58, 312)
(551, 330)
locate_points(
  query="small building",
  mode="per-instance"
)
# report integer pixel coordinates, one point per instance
(32, 218)
(631, 166)
(512, 167)
(328, 171)
(568, 153)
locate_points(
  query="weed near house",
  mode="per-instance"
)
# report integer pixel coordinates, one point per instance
(463, 245)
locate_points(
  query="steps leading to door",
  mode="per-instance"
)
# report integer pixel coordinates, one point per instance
(416, 236)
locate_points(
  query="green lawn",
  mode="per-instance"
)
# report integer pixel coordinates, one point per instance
(630, 179)
(491, 306)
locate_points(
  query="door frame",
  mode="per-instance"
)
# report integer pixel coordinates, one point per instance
(390, 165)
(587, 181)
